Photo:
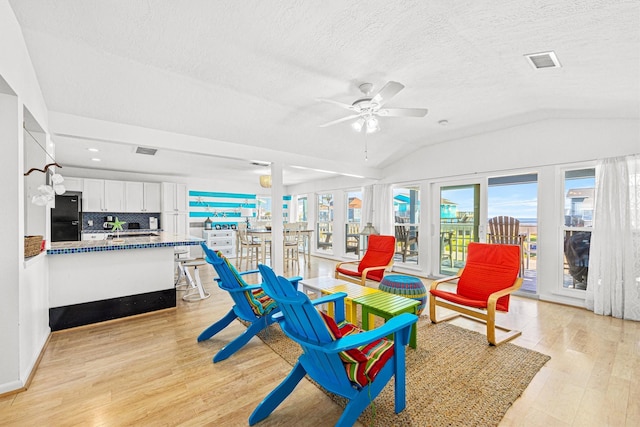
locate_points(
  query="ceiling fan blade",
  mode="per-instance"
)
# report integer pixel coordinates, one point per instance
(338, 103)
(387, 92)
(344, 119)
(403, 112)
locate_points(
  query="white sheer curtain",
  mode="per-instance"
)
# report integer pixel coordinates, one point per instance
(367, 206)
(613, 287)
(383, 208)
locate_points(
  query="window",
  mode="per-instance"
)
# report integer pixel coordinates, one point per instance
(263, 207)
(302, 209)
(352, 226)
(579, 191)
(406, 211)
(324, 224)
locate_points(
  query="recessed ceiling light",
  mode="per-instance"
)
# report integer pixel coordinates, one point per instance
(95, 159)
(443, 122)
(93, 150)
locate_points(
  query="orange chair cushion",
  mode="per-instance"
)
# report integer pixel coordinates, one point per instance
(489, 268)
(379, 252)
(363, 363)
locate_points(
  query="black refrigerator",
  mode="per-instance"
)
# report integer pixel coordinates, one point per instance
(66, 218)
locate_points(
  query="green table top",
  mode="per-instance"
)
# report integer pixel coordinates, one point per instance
(386, 302)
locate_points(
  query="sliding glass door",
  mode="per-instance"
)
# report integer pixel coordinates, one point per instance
(324, 222)
(459, 224)
(465, 209)
(516, 196)
(406, 212)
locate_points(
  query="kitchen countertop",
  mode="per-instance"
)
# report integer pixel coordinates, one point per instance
(133, 242)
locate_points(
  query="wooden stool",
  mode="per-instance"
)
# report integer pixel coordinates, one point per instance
(196, 291)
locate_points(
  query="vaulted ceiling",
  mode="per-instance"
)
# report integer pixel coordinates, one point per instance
(245, 76)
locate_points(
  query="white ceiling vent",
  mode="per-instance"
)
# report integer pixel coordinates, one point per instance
(260, 163)
(543, 60)
(147, 151)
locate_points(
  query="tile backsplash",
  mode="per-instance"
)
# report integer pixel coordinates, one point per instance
(98, 219)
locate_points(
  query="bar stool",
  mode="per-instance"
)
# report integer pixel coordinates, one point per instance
(196, 292)
(180, 270)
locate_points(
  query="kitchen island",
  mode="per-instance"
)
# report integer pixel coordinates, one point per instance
(94, 281)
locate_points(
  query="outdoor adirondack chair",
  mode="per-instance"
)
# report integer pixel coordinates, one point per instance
(339, 357)
(251, 303)
(506, 230)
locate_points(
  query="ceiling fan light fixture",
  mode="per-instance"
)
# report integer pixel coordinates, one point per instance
(372, 125)
(357, 125)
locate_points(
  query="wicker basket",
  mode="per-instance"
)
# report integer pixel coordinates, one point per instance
(32, 245)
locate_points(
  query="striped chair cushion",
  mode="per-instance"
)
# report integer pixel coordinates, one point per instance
(363, 363)
(259, 301)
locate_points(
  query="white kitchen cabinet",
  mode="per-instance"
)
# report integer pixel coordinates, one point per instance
(72, 184)
(100, 195)
(114, 196)
(93, 195)
(103, 195)
(174, 197)
(175, 223)
(134, 196)
(152, 197)
(142, 197)
(175, 210)
(221, 240)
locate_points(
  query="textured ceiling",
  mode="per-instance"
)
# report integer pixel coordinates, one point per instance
(250, 72)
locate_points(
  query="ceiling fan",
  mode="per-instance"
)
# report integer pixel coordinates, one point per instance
(367, 108)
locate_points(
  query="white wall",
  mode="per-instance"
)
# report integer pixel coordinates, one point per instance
(544, 142)
(24, 285)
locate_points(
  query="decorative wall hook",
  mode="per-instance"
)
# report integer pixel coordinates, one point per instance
(46, 168)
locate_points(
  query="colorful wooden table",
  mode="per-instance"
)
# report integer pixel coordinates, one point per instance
(353, 291)
(386, 305)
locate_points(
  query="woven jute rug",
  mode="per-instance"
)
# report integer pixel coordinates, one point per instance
(454, 378)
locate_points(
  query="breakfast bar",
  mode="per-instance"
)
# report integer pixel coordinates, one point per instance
(94, 281)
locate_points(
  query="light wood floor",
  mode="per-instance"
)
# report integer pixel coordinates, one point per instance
(150, 370)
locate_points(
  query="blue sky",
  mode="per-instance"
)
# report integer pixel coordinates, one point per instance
(519, 201)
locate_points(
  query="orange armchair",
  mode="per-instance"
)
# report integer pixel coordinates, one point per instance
(484, 286)
(377, 258)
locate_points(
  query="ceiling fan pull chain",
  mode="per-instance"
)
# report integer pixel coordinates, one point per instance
(366, 153)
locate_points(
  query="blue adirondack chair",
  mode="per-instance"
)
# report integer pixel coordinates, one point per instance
(345, 361)
(251, 303)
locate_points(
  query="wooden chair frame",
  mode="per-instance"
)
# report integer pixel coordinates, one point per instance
(362, 279)
(487, 315)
